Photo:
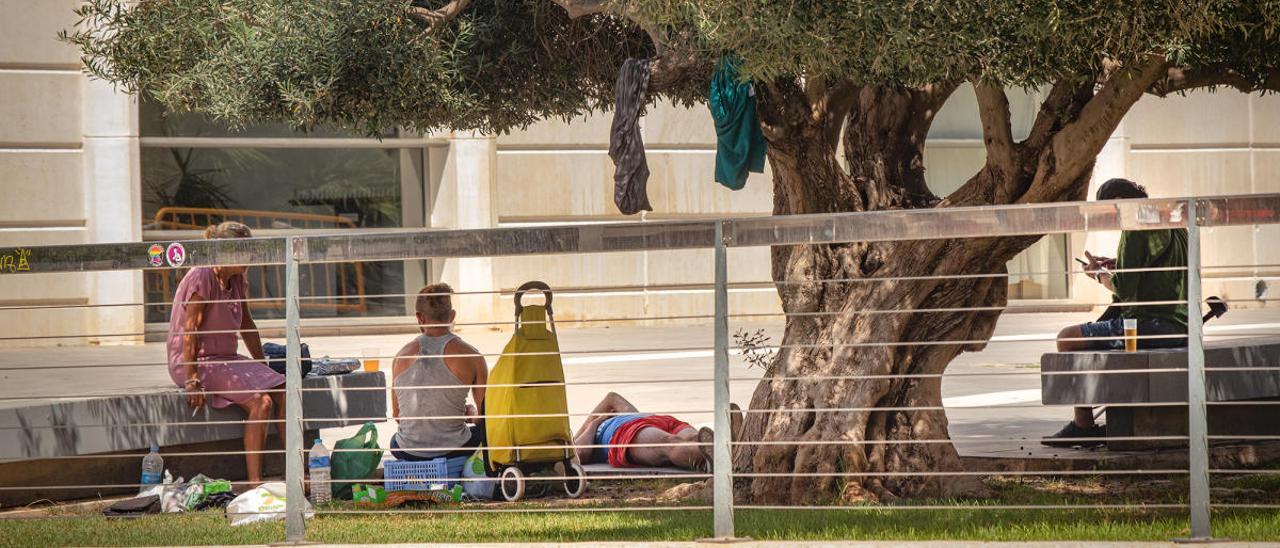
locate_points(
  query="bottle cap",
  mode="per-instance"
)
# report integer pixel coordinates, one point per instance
(155, 448)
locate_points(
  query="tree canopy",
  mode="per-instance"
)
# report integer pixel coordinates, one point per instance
(497, 65)
(368, 65)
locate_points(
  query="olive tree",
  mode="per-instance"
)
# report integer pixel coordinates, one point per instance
(847, 90)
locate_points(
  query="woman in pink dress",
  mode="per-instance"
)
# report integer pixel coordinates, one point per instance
(208, 311)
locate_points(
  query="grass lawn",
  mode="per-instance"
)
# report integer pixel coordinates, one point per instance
(963, 524)
(964, 520)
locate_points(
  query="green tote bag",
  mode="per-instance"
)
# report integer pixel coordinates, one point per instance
(356, 459)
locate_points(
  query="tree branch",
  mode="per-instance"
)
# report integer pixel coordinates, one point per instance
(997, 129)
(583, 8)
(434, 19)
(1179, 79)
(1073, 150)
(783, 107)
(673, 67)
(887, 147)
(1064, 98)
(830, 104)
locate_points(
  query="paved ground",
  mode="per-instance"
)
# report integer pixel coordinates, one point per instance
(987, 413)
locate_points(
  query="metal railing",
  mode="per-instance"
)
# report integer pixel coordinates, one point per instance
(720, 236)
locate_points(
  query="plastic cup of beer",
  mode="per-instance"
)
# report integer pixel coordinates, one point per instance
(1130, 335)
(370, 360)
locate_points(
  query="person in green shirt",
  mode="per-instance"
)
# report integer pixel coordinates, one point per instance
(1139, 249)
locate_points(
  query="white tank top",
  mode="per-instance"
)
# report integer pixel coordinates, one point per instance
(431, 402)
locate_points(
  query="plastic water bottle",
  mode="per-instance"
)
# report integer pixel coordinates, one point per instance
(318, 473)
(152, 469)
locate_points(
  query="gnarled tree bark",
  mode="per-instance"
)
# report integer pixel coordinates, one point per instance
(857, 382)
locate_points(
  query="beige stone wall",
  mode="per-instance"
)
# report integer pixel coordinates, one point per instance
(40, 160)
(556, 172)
(1209, 144)
(63, 158)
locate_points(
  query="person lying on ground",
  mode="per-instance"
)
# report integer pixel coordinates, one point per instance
(431, 378)
(208, 313)
(615, 423)
(1138, 249)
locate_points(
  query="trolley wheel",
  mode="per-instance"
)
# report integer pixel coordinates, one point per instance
(511, 483)
(575, 482)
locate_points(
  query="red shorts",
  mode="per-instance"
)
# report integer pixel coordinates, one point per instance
(626, 434)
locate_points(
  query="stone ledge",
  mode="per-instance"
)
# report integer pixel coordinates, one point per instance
(133, 421)
(1170, 386)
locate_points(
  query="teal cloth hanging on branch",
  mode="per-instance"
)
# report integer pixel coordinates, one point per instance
(740, 145)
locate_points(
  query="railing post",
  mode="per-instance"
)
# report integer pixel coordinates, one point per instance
(1197, 427)
(295, 527)
(722, 465)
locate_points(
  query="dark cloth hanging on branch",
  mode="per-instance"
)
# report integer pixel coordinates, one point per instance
(740, 145)
(626, 147)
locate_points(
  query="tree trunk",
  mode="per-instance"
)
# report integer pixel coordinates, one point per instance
(834, 386)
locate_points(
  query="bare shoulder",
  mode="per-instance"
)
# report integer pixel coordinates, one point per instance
(460, 354)
(409, 349)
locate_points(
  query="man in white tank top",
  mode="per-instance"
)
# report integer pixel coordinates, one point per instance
(431, 379)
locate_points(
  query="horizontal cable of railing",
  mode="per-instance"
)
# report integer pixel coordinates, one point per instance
(700, 475)
(304, 329)
(659, 288)
(956, 473)
(896, 507)
(807, 378)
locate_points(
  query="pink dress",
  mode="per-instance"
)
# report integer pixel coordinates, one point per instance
(214, 350)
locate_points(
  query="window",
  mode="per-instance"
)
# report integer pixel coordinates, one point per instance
(277, 181)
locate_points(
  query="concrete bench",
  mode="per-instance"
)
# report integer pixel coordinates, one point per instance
(1248, 381)
(76, 442)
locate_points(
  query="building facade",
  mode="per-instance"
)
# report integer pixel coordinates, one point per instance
(81, 163)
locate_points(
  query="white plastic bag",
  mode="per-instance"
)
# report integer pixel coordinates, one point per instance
(474, 468)
(170, 492)
(157, 490)
(263, 503)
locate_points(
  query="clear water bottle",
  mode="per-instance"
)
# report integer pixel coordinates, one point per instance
(318, 473)
(152, 469)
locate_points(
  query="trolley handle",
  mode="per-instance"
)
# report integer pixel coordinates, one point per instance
(534, 285)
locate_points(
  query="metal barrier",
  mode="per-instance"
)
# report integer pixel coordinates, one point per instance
(721, 236)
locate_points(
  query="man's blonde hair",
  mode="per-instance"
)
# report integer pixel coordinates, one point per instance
(435, 302)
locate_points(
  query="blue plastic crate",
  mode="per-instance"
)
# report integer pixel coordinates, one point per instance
(422, 475)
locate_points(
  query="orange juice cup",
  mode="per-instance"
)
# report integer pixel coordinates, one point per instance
(370, 359)
(1130, 335)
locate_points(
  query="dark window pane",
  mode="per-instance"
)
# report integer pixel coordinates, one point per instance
(273, 188)
(278, 188)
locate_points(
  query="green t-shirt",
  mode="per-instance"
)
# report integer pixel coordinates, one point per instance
(1152, 249)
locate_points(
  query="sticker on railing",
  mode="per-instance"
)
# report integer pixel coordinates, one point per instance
(155, 255)
(1148, 214)
(176, 254)
(16, 261)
